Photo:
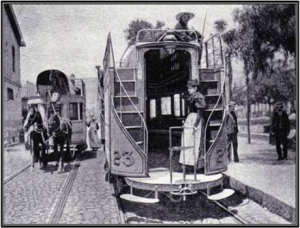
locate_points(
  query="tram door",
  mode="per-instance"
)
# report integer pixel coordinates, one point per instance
(166, 79)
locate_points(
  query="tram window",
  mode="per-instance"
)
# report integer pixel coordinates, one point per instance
(73, 111)
(183, 107)
(152, 108)
(177, 104)
(166, 106)
(80, 111)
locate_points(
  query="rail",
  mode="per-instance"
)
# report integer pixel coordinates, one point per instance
(156, 35)
(125, 91)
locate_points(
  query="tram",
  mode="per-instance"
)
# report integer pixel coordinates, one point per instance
(66, 97)
(144, 111)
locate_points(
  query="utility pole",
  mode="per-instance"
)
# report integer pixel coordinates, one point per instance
(248, 107)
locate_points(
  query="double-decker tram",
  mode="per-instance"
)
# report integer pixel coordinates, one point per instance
(66, 97)
(145, 110)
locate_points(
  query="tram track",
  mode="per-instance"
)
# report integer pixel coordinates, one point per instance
(15, 174)
(148, 217)
(59, 207)
(238, 218)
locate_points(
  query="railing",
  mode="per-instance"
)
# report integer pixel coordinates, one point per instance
(156, 35)
(219, 98)
(210, 59)
(123, 88)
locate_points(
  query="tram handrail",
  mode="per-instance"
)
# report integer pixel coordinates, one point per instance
(214, 108)
(165, 31)
(125, 91)
(171, 149)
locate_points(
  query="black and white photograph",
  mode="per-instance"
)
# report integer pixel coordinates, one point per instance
(149, 113)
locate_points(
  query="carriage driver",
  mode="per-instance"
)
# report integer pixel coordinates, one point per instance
(193, 134)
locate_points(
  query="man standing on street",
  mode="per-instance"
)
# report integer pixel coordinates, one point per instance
(280, 127)
(232, 130)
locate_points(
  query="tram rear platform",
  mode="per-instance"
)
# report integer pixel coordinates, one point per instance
(265, 180)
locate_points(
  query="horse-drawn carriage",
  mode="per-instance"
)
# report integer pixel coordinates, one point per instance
(58, 116)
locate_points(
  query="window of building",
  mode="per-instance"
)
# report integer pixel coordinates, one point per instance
(10, 94)
(13, 58)
(166, 106)
(152, 108)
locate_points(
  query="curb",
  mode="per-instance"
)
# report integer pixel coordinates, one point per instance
(260, 136)
(265, 200)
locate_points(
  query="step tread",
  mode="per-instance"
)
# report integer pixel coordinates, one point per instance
(181, 147)
(129, 111)
(118, 96)
(139, 142)
(222, 195)
(126, 80)
(138, 199)
(214, 124)
(212, 95)
(129, 127)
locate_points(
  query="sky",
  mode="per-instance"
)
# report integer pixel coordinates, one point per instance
(72, 38)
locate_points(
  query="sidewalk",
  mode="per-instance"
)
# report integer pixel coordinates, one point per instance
(262, 178)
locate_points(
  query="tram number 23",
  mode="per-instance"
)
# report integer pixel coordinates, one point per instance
(124, 157)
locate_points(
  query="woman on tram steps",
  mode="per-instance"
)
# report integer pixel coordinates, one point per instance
(196, 103)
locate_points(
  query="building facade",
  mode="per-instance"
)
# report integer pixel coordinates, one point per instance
(11, 94)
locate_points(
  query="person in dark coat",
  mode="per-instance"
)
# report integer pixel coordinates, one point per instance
(183, 19)
(280, 128)
(232, 131)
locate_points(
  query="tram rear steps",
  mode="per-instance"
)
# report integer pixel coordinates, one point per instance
(128, 104)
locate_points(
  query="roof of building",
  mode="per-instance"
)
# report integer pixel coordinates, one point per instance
(14, 24)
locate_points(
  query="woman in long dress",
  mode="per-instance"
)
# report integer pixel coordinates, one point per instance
(93, 136)
(193, 133)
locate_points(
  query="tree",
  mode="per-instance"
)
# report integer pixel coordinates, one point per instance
(262, 31)
(230, 50)
(137, 25)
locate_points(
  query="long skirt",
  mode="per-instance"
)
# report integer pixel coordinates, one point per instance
(195, 139)
(93, 138)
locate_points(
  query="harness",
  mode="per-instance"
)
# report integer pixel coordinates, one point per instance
(40, 128)
(59, 130)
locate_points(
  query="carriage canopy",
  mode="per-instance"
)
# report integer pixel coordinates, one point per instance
(52, 82)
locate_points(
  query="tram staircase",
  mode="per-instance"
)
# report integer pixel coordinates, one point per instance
(128, 106)
(214, 97)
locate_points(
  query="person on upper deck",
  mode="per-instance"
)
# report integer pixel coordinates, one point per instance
(183, 19)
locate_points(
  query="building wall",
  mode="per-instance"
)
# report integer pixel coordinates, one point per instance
(12, 108)
(92, 103)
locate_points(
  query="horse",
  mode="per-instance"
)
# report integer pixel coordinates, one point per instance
(61, 130)
(38, 136)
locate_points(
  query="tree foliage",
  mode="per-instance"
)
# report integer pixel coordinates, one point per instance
(138, 24)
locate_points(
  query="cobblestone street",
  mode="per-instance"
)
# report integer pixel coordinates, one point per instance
(91, 200)
(15, 158)
(35, 195)
(47, 196)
